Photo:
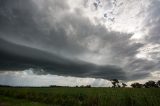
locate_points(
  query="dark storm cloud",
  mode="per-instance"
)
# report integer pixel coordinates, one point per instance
(139, 68)
(45, 34)
(20, 60)
(22, 23)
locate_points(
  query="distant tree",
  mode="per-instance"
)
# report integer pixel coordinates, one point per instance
(124, 85)
(82, 86)
(158, 83)
(5, 86)
(53, 86)
(118, 86)
(88, 86)
(115, 83)
(150, 84)
(137, 85)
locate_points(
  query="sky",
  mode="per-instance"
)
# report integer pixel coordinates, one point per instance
(63, 42)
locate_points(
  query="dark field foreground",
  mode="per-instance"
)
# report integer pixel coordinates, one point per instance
(79, 97)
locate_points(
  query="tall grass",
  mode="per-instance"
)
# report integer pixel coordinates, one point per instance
(87, 96)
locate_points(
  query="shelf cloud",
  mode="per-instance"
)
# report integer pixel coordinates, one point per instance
(88, 38)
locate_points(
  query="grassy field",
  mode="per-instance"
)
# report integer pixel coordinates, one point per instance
(79, 97)
(8, 101)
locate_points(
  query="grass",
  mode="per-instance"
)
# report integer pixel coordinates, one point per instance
(8, 101)
(81, 96)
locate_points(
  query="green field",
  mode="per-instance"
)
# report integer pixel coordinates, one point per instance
(79, 97)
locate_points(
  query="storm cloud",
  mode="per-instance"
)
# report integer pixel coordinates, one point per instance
(88, 38)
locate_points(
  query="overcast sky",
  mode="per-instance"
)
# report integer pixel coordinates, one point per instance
(68, 42)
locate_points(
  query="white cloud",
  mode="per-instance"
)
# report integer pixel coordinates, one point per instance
(29, 78)
(149, 52)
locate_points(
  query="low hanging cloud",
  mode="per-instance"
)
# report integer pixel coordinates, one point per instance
(29, 78)
(81, 39)
(53, 64)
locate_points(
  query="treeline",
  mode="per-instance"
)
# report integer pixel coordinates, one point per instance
(115, 84)
(82, 86)
(149, 84)
(5, 86)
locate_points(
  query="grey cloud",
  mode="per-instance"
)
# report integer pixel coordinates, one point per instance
(139, 68)
(153, 22)
(20, 25)
(56, 40)
(152, 25)
(19, 60)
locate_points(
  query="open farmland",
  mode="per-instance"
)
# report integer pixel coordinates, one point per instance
(79, 96)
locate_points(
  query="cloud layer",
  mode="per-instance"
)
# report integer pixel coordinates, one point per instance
(87, 38)
(29, 78)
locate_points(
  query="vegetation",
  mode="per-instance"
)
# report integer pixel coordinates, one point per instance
(158, 83)
(82, 95)
(124, 85)
(7, 101)
(65, 96)
(115, 83)
(149, 84)
(137, 85)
